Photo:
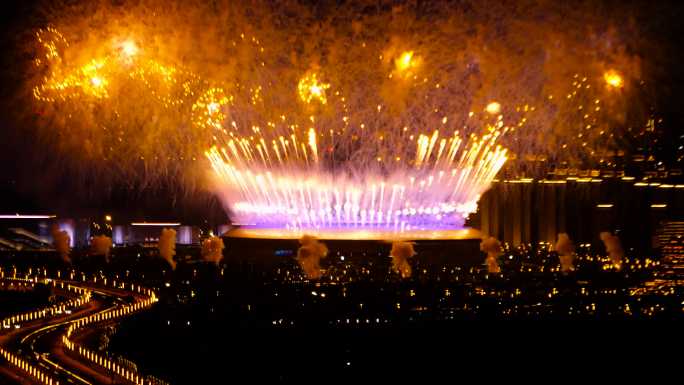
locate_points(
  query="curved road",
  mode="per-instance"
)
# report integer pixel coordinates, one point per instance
(40, 342)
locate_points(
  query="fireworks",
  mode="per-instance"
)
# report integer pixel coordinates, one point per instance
(278, 178)
(311, 89)
(286, 186)
(613, 79)
(396, 123)
(129, 49)
(493, 108)
(405, 63)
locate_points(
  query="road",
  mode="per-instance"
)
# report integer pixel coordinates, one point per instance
(40, 342)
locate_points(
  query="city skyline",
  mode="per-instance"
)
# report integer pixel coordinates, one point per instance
(201, 192)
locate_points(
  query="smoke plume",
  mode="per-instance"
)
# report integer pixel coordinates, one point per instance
(492, 247)
(566, 252)
(613, 248)
(60, 241)
(167, 246)
(400, 253)
(310, 254)
(212, 249)
(101, 245)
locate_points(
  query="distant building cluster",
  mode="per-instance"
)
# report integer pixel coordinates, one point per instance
(356, 290)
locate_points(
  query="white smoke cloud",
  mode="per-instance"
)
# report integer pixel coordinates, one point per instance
(492, 247)
(167, 246)
(212, 249)
(310, 254)
(400, 253)
(101, 245)
(566, 252)
(60, 241)
(613, 248)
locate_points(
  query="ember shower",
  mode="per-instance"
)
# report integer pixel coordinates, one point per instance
(393, 118)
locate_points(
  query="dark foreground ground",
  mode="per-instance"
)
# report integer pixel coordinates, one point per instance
(362, 322)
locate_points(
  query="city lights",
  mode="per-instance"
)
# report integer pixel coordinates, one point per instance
(226, 174)
(156, 224)
(22, 216)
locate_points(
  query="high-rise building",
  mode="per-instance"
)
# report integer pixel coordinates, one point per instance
(670, 238)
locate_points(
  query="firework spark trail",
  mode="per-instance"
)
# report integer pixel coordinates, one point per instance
(440, 191)
(299, 188)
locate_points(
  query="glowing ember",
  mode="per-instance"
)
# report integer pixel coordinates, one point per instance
(97, 81)
(404, 61)
(311, 89)
(613, 79)
(129, 48)
(493, 108)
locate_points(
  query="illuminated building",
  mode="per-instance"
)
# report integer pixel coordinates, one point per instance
(522, 211)
(670, 238)
(147, 233)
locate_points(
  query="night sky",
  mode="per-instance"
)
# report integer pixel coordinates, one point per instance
(30, 183)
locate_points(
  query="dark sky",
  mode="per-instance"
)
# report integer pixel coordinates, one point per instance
(25, 187)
